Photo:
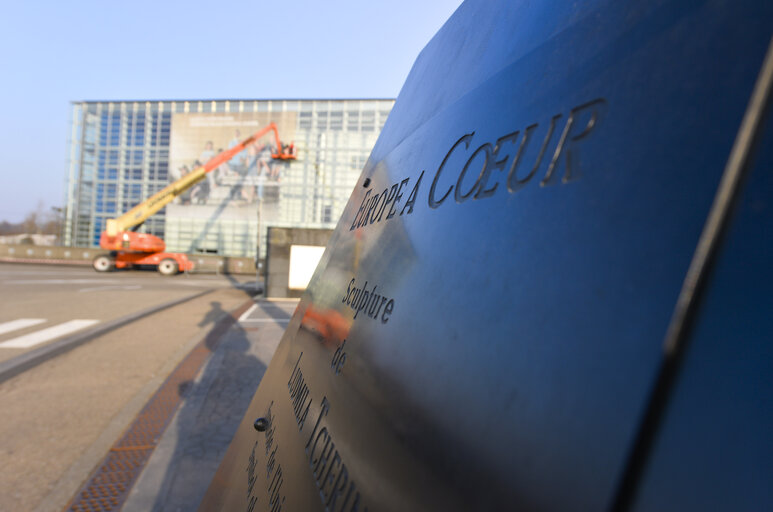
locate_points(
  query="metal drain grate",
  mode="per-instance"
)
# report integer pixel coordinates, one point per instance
(107, 488)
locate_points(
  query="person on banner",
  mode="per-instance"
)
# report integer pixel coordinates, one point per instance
(238, 163)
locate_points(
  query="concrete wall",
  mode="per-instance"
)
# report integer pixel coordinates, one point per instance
(278, 256)
(26, 238)
(205, 264)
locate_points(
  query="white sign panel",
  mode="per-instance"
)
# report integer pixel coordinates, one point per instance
(303, 262)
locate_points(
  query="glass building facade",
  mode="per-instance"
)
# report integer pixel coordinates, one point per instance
(123, 152)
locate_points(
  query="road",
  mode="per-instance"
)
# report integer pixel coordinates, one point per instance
(61, 416)
(42, 303)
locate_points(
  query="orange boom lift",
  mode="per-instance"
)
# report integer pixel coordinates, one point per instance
(131, 248)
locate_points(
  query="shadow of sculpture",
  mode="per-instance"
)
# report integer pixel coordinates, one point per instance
(214, 403)
(189, 452)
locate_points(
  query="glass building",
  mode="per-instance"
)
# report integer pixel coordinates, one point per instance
(122, 152)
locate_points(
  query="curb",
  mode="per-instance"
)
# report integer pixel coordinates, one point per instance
(87, 263)
(110, 482)
(74, 263)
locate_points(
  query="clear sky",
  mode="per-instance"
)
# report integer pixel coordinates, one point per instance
(56, 52)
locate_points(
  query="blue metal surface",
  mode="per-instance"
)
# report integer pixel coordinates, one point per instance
(714, 450)
(523, 230)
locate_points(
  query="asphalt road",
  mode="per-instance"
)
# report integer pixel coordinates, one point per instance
(39, 304)
(62, 415)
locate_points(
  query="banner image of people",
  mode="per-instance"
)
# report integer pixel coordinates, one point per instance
(247, 177)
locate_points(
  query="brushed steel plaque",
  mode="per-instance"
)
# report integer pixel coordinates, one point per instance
(486, 326)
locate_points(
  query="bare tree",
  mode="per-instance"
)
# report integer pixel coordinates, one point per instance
(40, 221)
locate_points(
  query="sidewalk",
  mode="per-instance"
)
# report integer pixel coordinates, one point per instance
(185, 458)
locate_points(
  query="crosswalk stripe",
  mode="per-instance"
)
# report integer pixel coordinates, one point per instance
(21, 323)
(247, 313)
(37, 337)
(62, 281)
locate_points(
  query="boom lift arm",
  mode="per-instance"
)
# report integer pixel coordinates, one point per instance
(145, 209)
(144, 249)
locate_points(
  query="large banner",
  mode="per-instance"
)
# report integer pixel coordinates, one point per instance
(249, 176)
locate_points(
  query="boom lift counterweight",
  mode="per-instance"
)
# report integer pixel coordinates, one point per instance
(131, 248)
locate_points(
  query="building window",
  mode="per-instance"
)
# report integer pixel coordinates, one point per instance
(368, 121)
(139, 132)
(358, 162)
(321, 120)
(353, 121)
(304, 121)
(132, 173)
(336, 121)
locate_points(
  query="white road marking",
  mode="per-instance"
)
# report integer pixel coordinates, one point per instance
(212, 283)
(114, 287)
(21, 323)
(247, 313)
(199, 283)
(38, 337)
(62, 281)
(14, 273)
(277, 320)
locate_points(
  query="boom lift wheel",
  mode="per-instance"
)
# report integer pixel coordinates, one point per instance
(168, 267)
(103, 263)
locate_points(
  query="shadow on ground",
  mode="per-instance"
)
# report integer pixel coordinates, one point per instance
(185, 460)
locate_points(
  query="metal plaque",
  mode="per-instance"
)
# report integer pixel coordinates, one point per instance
(486, 328)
